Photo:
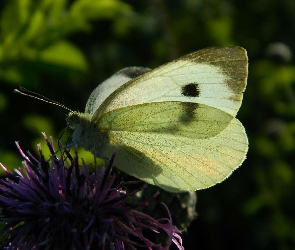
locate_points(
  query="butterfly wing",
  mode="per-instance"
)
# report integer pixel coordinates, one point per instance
(164, 145)
(215, 77)
(108, 86)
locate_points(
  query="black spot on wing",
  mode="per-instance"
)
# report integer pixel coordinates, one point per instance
(189, 112)
(133, 72)
(190, 90)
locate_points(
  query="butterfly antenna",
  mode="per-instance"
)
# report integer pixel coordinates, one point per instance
(29, 93)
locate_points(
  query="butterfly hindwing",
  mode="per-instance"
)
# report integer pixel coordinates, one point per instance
(175, 155)
(176, 118)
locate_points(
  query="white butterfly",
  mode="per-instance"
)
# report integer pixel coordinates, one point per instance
(173, 126)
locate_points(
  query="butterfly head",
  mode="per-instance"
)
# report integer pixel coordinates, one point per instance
(85, 132)
(74, 119)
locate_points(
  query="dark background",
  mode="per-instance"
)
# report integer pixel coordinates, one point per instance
(63, 49)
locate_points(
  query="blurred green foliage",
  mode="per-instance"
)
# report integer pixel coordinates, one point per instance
(63, 49)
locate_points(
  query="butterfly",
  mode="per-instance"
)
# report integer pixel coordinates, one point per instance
(173, 126)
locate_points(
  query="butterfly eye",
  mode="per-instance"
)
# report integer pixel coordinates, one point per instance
(73, 120)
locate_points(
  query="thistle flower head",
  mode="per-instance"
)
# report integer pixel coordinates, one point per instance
(59, 204)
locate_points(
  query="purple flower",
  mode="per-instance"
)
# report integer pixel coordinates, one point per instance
(59, 204)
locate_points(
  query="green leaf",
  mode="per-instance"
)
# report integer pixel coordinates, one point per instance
(93, 9)
(57, 8)
(61, 55)
(36, 123)
(221, 30)
(10, 160)
(36, 25)
(15, 15)
(19, 75)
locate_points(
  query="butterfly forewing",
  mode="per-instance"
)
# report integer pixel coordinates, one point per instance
(215, 77)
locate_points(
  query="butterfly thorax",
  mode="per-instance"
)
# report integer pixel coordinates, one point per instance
(85, 134)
